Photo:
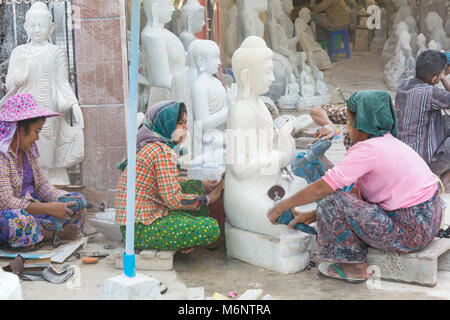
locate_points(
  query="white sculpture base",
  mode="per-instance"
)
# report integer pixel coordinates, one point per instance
(288, 102)
(289, 253)
(311, 102)
(10, 288)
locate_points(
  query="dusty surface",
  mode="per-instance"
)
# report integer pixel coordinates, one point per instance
(216, 272)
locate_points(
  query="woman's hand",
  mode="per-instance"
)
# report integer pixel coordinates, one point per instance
(302, 217)
(274, 213)
(214, 195)
(61, 210)
(210, 185)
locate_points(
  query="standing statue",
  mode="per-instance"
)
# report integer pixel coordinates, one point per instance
(193, 15)
(166, 70)
(435, 28)
(256, 153)
(307, 41)
(421, 44)
(231, 34)
(248, 21)
(41, 69)
(282, 17)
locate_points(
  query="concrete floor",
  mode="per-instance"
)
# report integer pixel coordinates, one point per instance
(217, 272)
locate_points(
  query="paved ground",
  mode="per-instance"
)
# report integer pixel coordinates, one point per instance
(216, 272)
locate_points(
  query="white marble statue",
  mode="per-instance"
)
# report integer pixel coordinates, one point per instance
(231, 34)
(307, 41)
(413, 31)
(435, 28)
(291, 96)
(403, 11)
(166, 70)
(193, 15)
(283, 18)
(400, 63)
(447, 27)
(41, 68)
(248, 20)
(254, 164)
(277, 39)
(421, 44)
(321, 87)
(391, 44)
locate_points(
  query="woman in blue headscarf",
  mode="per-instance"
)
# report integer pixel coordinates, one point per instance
(395, 205)
(171, 213)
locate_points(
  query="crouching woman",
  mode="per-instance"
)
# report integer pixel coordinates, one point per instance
(29, 207)
(170, 213)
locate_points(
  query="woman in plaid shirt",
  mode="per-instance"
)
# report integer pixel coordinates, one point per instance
(171, 213)
(29, 203)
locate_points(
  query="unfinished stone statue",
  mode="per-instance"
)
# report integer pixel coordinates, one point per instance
(193, 15)
(447, 27)
(277, 39)
(307, 41)
(434, 45)
(210, 103)
(166, 70)
(412, 25)
(403, 11)
(291, 96)
(284, 18)
(41, 68)
(253, 166)
(435, 28)
(248, 21)
(421, 44)
(231, 34)
(391, 45)
(321, 87)
(400, 62)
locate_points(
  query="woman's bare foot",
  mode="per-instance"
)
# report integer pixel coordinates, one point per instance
(187, 250)
(354, 271)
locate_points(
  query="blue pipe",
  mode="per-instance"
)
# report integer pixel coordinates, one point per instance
(129, 257)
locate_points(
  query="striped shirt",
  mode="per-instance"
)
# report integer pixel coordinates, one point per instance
(158, 189)
(421, 124)
(11, 179)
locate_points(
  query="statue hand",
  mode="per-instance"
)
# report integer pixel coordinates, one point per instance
(22, 72)
(232, 94)
(78, 115)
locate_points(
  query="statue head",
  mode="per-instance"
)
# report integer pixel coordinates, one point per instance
(253, 67)
(412, 24)
(292, 78)
(253, 5)
(421, 40)
(205, 55)
(158, 12)
(434, 45)
(401, 26)
(433, 21)
(193, 15)
(305, 14)
(404, 39)
(39, 23)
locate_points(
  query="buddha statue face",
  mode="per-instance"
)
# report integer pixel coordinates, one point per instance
(305, 14)
(206, 55)
(253, 67)
(159, 10)
(38, 23)
(421, 40)
(193, 15)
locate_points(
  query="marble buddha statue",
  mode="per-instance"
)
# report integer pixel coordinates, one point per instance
(307, 41)
(256, 154)
(391, 44)
(210, 102)
(435, 28)
(400, 62)
(193, 15)
(166, 70)
(41, 69)
(291, 96)
(421, 44)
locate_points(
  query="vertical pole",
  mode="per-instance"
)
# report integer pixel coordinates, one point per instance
(128, 257)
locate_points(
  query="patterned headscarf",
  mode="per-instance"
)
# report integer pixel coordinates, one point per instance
(17, 108)
(374, 112)
(159, 124)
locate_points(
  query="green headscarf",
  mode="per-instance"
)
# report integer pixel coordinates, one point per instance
(374, 112)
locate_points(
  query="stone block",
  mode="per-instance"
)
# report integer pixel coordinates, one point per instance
(150, 260)
(286, 254)
(251, 294)
(196, 293)
(419, 268)
(110, 230)
(124, 288)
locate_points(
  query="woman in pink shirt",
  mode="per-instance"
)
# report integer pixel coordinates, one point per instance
(395, 205)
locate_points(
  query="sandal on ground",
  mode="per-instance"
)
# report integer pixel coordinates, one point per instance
(31, 248)
(323, 270)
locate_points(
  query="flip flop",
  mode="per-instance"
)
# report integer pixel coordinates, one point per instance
(323, 270)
